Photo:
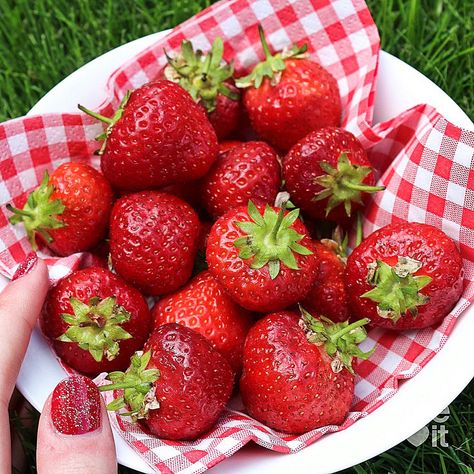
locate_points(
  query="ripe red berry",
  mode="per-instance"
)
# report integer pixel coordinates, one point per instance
(297, 373)
(158, 136)
(328, 174)
(178, 388)
(404, 276)
(95, 321)
(153, 241)
(262, 256)
(69, 211)
(287, 96)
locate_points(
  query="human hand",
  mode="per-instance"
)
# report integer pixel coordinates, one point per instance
(74, 433)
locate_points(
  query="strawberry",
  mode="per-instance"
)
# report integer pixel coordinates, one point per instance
(178, 387)
(262, 257)
(404, 276)
(209, 81)
(204, 306)
(287, 96)
(327, 295)
(153, 241)
(158, 136)
(248, 171)
(327, 174)
(297, 373)
(95, 321)
(69, 211)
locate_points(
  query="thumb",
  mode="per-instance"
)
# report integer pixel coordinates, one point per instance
(74, 433)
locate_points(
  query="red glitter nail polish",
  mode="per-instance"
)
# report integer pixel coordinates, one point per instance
(75, 406)
(26, 266)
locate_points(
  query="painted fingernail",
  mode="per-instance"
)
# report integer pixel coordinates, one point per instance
(26, 266)
(75, 406)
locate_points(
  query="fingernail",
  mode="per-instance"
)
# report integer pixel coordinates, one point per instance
(26, 266)
(75, 406)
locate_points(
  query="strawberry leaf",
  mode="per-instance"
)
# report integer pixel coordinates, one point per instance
(270, 239)
(95, 326)
(343, 184)
(396, 289)
(339, 339)
(40, 213)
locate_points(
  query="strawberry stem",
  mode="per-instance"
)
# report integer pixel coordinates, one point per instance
(361, 187)
(97, 116)
(277, 225)
(263, 40)
(334, 337)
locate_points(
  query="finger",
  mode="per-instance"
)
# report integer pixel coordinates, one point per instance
(74, 433)
(20, 305)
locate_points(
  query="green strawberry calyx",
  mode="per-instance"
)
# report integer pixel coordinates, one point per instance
(396, 289)
(273, 65)
(96, 326)
(138, 386)
(110, 121)
(270, 239)
(340, 340)
(343, 184)
(40, 213)
(202, 75)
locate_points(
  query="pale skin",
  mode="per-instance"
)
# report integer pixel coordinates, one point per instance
(91, 453)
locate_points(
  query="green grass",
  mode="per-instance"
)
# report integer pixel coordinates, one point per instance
(43, 41)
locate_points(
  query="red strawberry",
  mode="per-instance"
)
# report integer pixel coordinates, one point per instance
(69, 211)
(209, 81)
(265, 262)
(248, 171)
(153, 241)
(286, 96)
(328, 295)
(178, 388)
(297, 373)
(95, 321)
(204, 306)
(158, 136)
(327, 174)
(404, 276)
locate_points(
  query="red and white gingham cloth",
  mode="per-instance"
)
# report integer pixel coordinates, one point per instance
(425, 162)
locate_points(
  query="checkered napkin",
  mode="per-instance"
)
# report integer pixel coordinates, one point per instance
(425, 162)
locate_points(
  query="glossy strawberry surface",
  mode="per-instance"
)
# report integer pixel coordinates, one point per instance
(204, 306)
(306, 98)
(194, 385)
(439, 258)
(302, 167)
(247, 171)
(287, 382)
(86, 284)
(328, 296)
(163, 137)
(88, 199)
(153, 241)
(253, 288)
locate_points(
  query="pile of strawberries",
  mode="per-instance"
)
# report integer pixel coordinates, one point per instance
(242, 243)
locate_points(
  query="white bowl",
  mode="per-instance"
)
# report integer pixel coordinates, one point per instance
(418, 400)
